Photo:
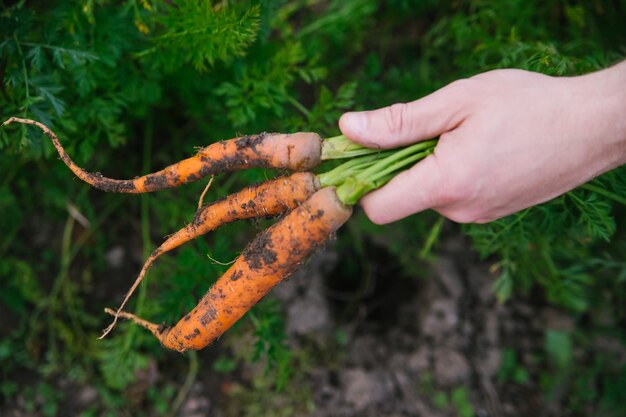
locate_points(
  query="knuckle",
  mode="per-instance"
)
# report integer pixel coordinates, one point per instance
(462, 91)
(455, 190)
(375, 218)
(461, 87)
(462, 216)
(395, 117)
(488, 74)
(456, 196)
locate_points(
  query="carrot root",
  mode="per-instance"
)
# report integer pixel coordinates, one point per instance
(272, 257)
(155, 329)
(269, 198)
(119, 312)
(298, 152)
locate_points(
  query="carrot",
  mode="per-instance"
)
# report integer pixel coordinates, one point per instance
(272, 257)
(298, 151)
(266, 199)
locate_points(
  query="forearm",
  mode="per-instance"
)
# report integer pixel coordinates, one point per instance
(602, 113)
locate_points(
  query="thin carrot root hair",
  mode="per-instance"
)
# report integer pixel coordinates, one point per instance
(206, 189)
(155, 329)
(298, 152)
(269, 198)
(119, 312)
(215, 261)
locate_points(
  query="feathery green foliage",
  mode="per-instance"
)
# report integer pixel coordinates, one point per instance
(198, 33)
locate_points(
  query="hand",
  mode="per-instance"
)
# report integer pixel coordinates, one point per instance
(509, 139)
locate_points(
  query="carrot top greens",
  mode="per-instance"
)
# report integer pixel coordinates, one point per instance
(368, 169)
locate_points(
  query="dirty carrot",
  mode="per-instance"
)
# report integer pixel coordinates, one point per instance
(276, 253)
(298, 152)
(269, 259)
(269, 198)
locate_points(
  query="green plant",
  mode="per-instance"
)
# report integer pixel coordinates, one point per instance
(460, 401)
(511, 369)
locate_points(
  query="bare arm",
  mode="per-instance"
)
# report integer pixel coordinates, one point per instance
(509, 139)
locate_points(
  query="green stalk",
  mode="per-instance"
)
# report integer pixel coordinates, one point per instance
(184, 391)
(397, 157)
(145, 225)
(335, 178)
(606, 193)
(359, 176)
(351, 167)
(391, 170)
(340, 147)
(25, 75)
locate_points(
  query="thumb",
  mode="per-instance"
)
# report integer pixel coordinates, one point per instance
(409, 192)
(404, 123)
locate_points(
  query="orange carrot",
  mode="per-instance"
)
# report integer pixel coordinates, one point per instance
(272, 257)
(267, 199)
(298, 151)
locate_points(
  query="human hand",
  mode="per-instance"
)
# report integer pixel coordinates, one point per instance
(509, 139)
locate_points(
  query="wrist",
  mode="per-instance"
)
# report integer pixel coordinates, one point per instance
(600, 117)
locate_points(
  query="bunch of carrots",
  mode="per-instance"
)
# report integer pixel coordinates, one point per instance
(313, 207)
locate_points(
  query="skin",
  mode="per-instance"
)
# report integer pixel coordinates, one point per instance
(509, 139)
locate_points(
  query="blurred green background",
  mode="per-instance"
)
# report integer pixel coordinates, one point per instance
(132, 86)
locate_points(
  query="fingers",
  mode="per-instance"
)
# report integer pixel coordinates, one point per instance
(422, 186)
(404, 123)
(411, 191)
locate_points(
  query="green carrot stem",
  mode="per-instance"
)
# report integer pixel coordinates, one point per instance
(401, 164)
(335, 178)
(351, 167)
(606, 193)
(351, 188)
(340, 147)
(397, 156)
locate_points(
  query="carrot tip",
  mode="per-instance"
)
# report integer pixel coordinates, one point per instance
(8, 121)
(108, 329)
(154, 328)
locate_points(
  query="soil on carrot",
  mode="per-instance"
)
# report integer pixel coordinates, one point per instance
(250, 141)
(260, 251)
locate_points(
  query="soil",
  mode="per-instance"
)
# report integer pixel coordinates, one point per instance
(407, 340)
(409, 346)
(410, 339)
